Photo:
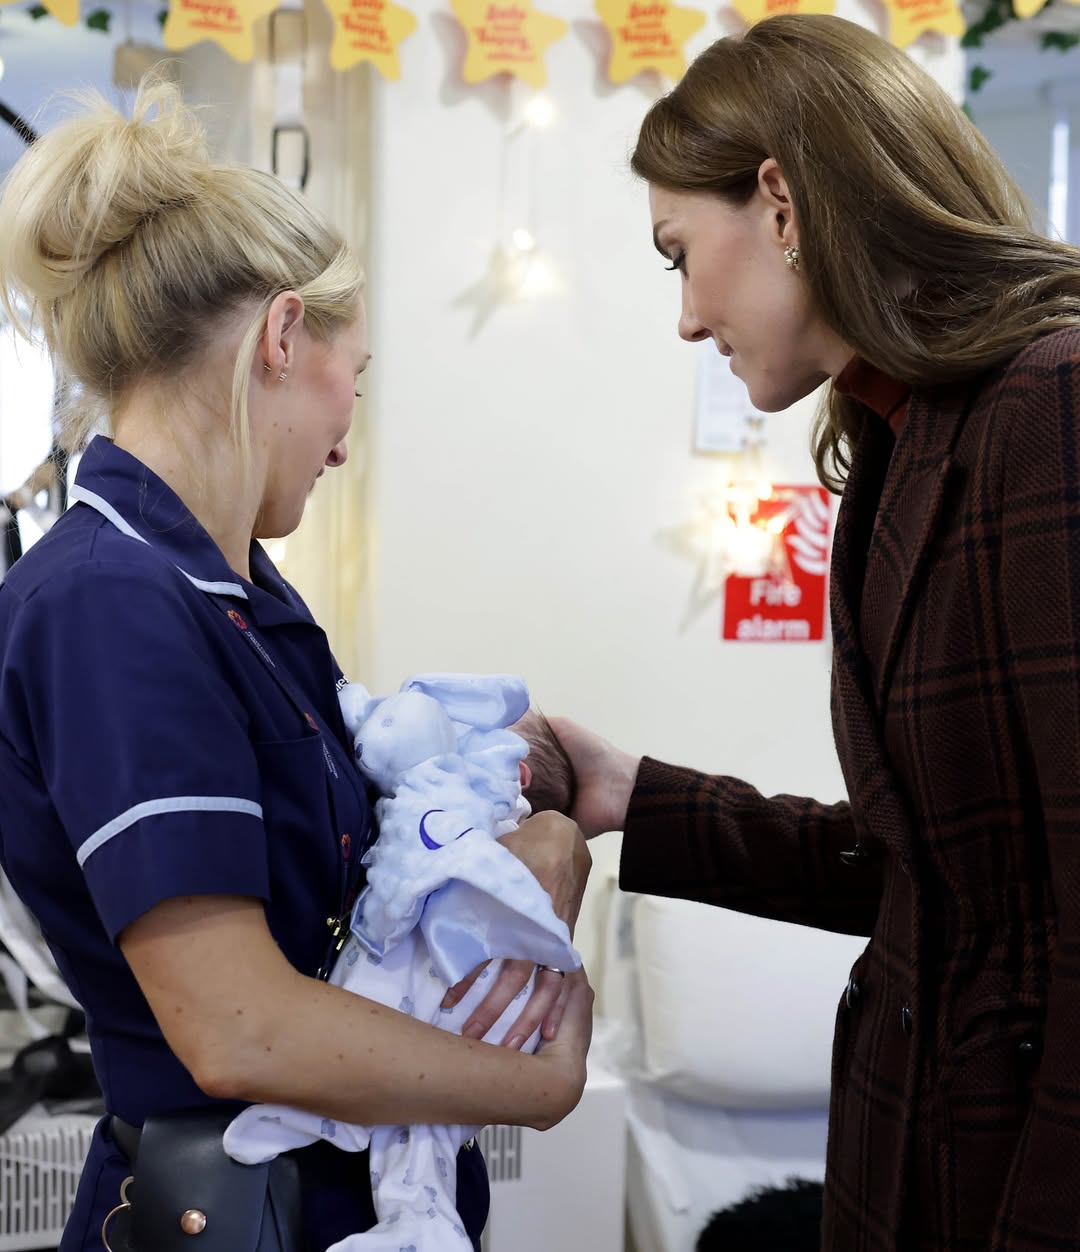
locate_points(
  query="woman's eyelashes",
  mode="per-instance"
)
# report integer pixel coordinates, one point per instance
(677, 263)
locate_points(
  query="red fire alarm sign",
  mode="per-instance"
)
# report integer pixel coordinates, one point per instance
(787, 604)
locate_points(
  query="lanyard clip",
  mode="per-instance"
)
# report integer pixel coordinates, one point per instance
(339, 936)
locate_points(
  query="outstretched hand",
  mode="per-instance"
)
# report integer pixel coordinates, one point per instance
(604, 777)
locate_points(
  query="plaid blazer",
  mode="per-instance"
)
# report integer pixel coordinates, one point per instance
(955, 1111)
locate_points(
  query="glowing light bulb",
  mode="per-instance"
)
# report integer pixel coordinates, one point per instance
(522, 240)
(750, 550)
(539, 279)
(540, 112)
(719, 533)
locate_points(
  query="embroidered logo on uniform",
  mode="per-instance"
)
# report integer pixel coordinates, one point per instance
(237, 620)
(346, 845)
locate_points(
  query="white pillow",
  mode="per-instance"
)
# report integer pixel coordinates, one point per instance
(738, 1011)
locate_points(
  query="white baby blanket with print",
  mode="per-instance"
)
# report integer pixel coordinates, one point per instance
(442, 897)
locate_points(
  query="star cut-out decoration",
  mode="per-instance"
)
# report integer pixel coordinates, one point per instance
(65, 11)
(369, 30)
(648, 35)
(507, 37)
(711, 539)
(908, 19)
(229, 23)
(501, 284)
(752, 11)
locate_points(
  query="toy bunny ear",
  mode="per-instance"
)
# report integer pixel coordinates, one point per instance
(484, 701)
(357, 705)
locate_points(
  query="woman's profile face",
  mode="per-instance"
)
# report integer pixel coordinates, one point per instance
(306, 432)
(738, 290)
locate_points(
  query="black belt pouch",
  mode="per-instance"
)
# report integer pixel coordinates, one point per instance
(187, 1195)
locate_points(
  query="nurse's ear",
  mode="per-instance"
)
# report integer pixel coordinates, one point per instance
(284, 323)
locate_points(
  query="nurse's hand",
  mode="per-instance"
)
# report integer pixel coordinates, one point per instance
(567, 1055)
(553, 848)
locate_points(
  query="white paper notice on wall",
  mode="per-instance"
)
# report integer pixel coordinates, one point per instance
(724, 418)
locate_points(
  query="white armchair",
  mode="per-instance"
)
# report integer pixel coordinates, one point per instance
(722, 1026)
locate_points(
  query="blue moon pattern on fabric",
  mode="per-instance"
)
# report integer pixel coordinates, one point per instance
(427, 840)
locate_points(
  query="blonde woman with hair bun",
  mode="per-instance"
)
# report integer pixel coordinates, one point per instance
(833, 218)
(181, 809)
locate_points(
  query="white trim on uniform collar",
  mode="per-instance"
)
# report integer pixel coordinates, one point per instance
(81, 496)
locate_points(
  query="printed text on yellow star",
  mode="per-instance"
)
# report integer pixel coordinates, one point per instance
(908, 19)
(506, 37)
(227, 22)
(369, 30)
(648, 35)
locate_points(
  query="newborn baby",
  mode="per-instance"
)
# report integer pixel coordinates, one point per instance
(442, 897)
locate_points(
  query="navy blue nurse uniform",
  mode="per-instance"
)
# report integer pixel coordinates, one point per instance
(167, 729)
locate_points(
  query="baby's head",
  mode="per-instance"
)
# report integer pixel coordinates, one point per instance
(547, 777)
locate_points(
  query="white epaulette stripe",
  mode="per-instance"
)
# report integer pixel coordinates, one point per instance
(169, 804)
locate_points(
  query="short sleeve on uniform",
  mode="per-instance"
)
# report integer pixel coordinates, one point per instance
(142, 744)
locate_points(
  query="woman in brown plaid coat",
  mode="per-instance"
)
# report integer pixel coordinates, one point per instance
(833, 215)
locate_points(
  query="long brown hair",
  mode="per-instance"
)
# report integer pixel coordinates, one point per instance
(917, 245)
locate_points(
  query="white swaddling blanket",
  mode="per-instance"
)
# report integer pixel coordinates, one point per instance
(442, 897)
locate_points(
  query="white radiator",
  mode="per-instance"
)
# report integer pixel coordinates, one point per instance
(560, 1191)
(40, 1163)
(563, 1190)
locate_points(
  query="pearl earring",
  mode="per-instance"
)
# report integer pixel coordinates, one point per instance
(791, 256)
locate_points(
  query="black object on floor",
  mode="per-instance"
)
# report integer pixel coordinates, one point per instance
(47, 1070)
(769, 1219)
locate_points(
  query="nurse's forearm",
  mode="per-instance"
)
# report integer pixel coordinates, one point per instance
(339, 1055)
(249, 1027)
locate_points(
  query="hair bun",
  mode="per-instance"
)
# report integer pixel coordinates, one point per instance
(87, 185)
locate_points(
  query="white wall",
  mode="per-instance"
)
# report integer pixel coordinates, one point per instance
(1029, 93)
(45, 61)
(523, 470)
(524, 459)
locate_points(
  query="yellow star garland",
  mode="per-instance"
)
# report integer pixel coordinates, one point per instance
(507, 37)
(227, 22)
(908, 19)
(369, 30)
(752, 11)
(65, 11)
(648, 35)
